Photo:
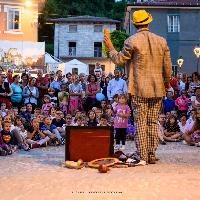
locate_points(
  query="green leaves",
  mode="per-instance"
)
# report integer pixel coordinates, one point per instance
(118, 38)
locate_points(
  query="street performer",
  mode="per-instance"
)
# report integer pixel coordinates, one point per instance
(148, 59)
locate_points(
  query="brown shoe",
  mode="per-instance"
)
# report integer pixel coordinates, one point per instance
(152, 161)
(157, 159)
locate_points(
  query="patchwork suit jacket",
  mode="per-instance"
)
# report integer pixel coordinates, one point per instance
(147, 57)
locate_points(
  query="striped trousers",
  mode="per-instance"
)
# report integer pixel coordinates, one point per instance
(146, 112)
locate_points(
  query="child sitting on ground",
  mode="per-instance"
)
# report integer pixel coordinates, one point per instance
(21, 133)
(23, 113)
(6, 139)
(77, 114)
(92, 121)
(192, 117)
(15, 112)
(169, 103)
(79, 121)
(183, 123)
(50, 130)
(35, 137)
(85, 118)
(58, 121)
(103, 106)
(8, 118)
(3, 110)
(68, 120)
(52, 113)
(103, 120)
(192, 131)
(161, 125)
(110, 114)
(98, 113)
(172, 130)
(37, 111)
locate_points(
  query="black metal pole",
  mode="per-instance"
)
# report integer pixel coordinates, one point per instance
(198, 64)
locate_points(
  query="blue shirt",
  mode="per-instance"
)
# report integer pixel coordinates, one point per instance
(169, 105)
(17, 93)
(116, 86)
(45, 128)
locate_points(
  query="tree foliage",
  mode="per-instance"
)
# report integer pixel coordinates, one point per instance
(118, 38)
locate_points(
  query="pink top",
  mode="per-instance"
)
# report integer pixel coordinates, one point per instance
(121, 122)
(182, 103)
(93, 88)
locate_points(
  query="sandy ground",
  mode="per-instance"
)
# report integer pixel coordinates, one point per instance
(38, 175)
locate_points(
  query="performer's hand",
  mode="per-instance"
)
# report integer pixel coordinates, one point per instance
(108, 42)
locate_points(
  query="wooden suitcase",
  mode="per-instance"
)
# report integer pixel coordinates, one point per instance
(88, 143)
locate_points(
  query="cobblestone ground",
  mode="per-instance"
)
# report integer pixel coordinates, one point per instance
(38, 175)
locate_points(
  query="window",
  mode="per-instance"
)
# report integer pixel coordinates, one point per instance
(103, 67)
(74, 70)
(97, 49)
(72, 28)
(98, 28)
(174, 70)
(72, 48)
(91, 69)
(173, 23)
(14, 19)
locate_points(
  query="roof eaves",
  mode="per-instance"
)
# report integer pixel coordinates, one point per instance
(174, 4)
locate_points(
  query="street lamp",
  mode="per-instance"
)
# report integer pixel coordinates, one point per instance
(180, 61)
(197, 53)
(28, 3)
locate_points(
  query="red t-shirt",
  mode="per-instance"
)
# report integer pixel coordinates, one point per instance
(174, 83)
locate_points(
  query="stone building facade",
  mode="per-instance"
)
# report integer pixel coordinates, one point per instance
(81, 38)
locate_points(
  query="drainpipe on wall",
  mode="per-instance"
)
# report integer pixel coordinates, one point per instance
(58, 42)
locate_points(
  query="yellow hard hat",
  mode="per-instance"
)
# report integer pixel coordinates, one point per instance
(142, 17)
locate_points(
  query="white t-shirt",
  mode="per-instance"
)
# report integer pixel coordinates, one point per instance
(189, 126)
(23, 133)
(160, 129)
(181, 86)
(182, 128)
